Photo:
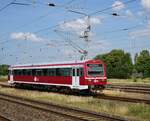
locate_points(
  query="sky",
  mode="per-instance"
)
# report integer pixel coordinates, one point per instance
(31, 31)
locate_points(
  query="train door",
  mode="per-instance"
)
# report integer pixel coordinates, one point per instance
(11, 75)
(36, 75)
(75, 78)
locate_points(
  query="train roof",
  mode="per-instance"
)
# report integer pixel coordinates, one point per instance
(75, 62)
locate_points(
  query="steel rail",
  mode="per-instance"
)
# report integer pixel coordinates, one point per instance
(74, 113)
(102, 96)
(2, 118)
(5, 85)
(130, 88)
(124, 99)
(131, 85)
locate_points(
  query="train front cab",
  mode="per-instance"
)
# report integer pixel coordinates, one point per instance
(91, 75)
(95, 74)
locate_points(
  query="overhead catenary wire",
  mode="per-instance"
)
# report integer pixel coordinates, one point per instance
(96, 12)
(54, 27)
(17, 3)
(73, 44)
(49, 3)
(64, 22)
(69, 2)
(123, 29)
(13, 2)
(111, 7)
(37, 19)
(6, 6)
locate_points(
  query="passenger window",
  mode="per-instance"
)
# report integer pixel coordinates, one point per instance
(73, 73)
(33, 72)
(77, 72)
(39, 73)
(65, 71)
(58, 72)
(45, 72)
(29, 72)
(20, 73)
(51, 72)
(15, 72)
(81, 72)
(24, 72)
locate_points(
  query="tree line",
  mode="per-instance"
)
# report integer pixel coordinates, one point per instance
(120, 64)
(3, 70)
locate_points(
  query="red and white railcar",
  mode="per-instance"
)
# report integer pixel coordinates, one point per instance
(79, 75)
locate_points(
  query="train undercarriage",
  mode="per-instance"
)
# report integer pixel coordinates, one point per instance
(60, 89)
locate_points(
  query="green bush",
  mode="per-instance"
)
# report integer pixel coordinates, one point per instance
(119, 64)
(3, 70)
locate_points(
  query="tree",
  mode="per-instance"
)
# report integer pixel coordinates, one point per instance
(3, 70)
(142, 64)
(135, 58)
(119, 64)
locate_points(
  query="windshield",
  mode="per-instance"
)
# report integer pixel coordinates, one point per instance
(95, 70)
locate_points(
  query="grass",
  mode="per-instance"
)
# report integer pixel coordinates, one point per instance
(131, 110)
(3, 78)
(141, 110)
(126, 94)
(130, 81)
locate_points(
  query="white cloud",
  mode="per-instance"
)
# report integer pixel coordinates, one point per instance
(80, 24)
(99, 46)
(69, 52)
(95, 20)
(26, 36)
(129, 14)
(141, 33)
(118, 5)
(103, 44)
(146, 4)
(140, 13)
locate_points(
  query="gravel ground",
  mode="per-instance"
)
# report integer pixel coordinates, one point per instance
(3, 119)
(16, 112)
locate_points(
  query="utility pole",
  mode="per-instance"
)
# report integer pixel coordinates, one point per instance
(86, 33)
(73, 44)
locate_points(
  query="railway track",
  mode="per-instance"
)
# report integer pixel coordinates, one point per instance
(143, 89)
(74, 113)
(4, 119)
(107, 97)
(124, 99)
(4, 84)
